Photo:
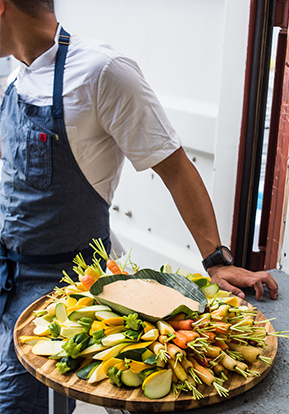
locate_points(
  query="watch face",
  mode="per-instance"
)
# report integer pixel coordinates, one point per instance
(227, 254)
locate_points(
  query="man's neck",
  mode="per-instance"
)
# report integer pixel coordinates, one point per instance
(35, 40)
(28, 37)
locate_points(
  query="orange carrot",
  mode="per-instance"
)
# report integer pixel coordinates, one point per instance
(190, 335)
(222, 327)
(162, 339)
(87, 281)
(110, 263)
(184, 324)
(180, 340)
(203, 373)
(210, 336)
(113, 267)
(175, 352)
(200, 323)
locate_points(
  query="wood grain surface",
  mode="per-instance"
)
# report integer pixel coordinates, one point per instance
(107, 395)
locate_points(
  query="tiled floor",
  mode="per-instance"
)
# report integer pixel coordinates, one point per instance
(83, 408)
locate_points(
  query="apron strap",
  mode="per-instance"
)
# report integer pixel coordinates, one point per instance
(63, 42)
(7, 281)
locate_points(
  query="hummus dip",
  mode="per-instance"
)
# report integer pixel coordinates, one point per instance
(146, 296)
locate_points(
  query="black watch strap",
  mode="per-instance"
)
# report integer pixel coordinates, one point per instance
(222, 255)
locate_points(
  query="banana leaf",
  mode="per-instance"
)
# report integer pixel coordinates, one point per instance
(175, 281)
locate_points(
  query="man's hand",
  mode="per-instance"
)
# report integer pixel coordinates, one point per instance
(232, 278)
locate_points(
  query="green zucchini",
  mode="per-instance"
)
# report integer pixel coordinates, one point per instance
(131, 379)
(211, 290)
(84, 372)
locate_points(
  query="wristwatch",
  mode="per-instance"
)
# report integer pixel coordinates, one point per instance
(222, 255)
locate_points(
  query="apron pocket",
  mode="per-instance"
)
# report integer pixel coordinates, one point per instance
(38, 162)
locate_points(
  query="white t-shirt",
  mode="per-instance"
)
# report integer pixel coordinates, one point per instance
(109, 110)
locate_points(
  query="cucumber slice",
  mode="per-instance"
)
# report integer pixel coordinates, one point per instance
(110, 352)
(47, 348)
(60, 312)
(70, 331)
(92, 350)
(131, 379)
(40, 321)
(158, 384)
(88, 312)
(113, 339)
(101, 315)
(181, 272)
(211, 290)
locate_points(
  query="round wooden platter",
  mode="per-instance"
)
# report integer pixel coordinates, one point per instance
(107, 395)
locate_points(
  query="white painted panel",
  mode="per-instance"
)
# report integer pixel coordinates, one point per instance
(193, 54)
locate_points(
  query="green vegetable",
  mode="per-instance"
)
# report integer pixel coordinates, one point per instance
(131, 379)
(67, 364)
(84, 372)
(85, 322)
(76, 344)
(98, 336)
(133, 322)
(114, 375)
(134, 335)
(146, 372)
(54, 329)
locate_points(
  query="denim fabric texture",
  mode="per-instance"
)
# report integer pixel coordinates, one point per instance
(47, 207)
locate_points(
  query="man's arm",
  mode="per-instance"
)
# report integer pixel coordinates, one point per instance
(194, 204)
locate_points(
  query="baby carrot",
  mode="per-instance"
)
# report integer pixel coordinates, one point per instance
(208, 378)
(209, 335)
(185, 324)
(221, 344)
(180, 340)
(87, 281)
(175, 352)
(213, 351)
(221, 327)
(190, 335)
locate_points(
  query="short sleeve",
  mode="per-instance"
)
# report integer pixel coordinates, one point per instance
(130, 112)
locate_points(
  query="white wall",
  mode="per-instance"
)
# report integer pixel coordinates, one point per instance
(193, 53)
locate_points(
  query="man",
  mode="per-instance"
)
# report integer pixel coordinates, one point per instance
(75, 110)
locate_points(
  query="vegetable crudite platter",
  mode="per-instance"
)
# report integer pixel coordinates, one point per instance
(146, 341)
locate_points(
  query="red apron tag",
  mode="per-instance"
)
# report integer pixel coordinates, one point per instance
(42, 137)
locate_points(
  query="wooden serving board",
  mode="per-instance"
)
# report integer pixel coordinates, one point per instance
(107, 395)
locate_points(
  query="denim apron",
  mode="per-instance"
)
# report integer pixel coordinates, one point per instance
(48, 213)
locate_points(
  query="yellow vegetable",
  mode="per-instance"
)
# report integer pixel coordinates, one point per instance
(151, 335)
(41, 331)
(32, 340)
(137, 366)
(148, 327)
(96, 326)
(110, 363)
(139, 345)
(114, 321)
(70, 301)
(85, 301)
(74, 308)
(110, 330)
